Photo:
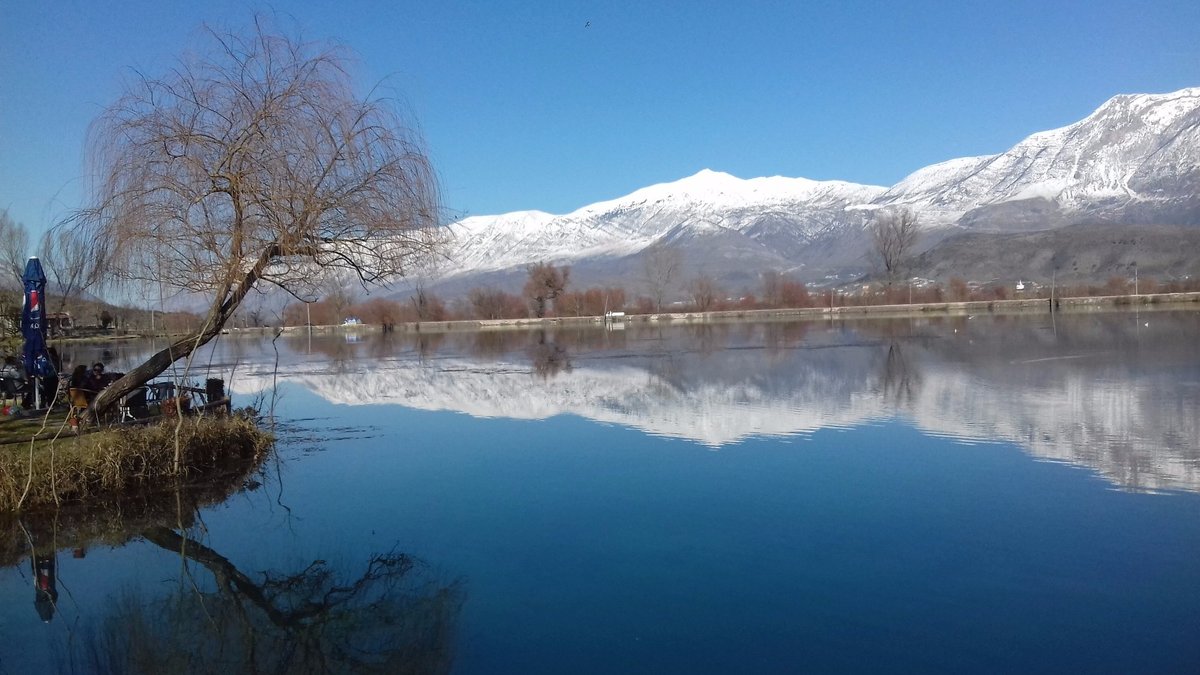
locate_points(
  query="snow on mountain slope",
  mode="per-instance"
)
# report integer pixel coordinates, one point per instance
(479, 240)
(706, 201)
(1135, 160)
(1131, 149)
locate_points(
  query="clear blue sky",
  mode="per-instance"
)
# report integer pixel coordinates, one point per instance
(524, 105)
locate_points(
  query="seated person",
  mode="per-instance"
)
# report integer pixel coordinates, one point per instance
(12, 378)
(82, 380)
(97, 378)
(11, 370)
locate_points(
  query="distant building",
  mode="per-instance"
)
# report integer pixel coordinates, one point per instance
(59, 323)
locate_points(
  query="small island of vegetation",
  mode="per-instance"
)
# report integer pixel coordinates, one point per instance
(254, 163)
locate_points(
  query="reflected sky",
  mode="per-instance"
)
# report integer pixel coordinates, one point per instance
(780, 497)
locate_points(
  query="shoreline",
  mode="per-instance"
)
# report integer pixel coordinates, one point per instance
(1016, 306)
(115, 463)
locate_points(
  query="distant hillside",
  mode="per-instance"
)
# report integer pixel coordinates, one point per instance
(1078, 253)
(1129, 171)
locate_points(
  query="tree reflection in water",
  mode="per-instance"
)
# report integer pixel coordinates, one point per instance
(392, 615)
(899, 380)
(391, 618)
(549, 358)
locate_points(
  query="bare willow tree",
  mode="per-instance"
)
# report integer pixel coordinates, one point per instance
(73, 262)
(425, 305)
(704, 292)
(14, 244)
(893, 234)
(545, 283)
(254, 163)
(661, 266)
(340, 298)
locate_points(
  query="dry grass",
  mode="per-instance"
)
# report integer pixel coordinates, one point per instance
(124, 462)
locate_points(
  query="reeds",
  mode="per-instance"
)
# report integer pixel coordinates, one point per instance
(124, 462)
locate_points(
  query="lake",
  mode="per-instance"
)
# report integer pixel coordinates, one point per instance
(972, 494)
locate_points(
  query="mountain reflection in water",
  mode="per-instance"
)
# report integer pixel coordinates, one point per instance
(1115, 392)
(625, 547)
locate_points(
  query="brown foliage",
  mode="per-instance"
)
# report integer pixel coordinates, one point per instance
(425, 306)
(645, 305)
(780, 290)
(545, 283)
(591, 302)
(490, 303)
(704, 292)
(958, 290)
(379, 311)
(1117, 286)
(794, 294)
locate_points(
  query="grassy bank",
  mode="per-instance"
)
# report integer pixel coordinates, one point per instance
(123, 462)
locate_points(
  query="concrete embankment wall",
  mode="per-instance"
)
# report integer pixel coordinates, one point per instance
(924, 309)
(873, 311)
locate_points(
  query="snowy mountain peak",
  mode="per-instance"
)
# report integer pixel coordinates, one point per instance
(1131, 160)
(517, 220)
(717, 188)
(1134, 159)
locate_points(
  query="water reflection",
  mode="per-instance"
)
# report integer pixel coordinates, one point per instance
(900, 381)
(548, 357)
(384, 613)
(385, 619)
(1114, 392)
(45, 585)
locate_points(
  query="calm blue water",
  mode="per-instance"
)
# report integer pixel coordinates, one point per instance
(983, 495)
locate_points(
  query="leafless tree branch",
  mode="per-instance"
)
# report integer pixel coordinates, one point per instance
(255, 163)
(894, 234)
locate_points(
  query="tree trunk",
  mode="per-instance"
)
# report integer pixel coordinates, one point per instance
(151, 368)
(220, 313)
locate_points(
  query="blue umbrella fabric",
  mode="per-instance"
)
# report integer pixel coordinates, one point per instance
(33, 322)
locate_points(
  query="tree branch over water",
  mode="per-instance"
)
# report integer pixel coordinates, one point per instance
(255, 163)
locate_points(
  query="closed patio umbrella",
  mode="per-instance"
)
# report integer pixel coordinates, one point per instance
(33, 327)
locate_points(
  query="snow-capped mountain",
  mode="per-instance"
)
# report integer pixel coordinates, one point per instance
(1135, 160)
(776, 214)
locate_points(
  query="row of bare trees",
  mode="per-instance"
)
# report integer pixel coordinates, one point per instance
(72, 263)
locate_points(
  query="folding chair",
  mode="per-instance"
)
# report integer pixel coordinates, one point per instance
(132, 404)
(79, 403)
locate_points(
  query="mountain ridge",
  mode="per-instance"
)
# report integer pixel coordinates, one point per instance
(1135, 160)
